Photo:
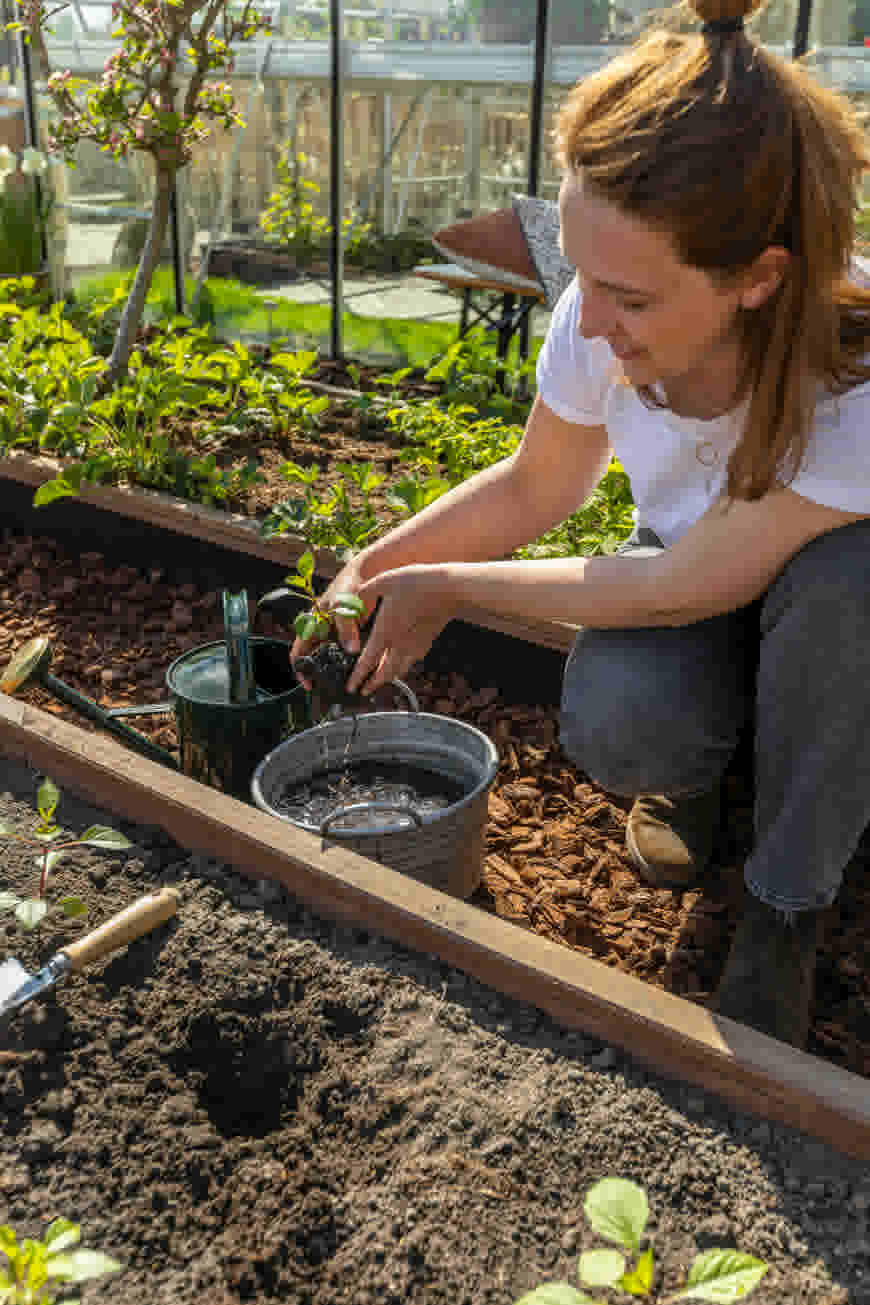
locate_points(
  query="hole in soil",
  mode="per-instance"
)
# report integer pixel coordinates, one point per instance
(248, 1078)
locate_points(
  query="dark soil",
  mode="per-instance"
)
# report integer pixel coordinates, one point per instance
(253, 1105)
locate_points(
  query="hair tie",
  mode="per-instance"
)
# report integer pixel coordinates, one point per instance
(722, 26)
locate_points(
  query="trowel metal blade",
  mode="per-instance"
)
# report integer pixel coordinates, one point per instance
(18, 987)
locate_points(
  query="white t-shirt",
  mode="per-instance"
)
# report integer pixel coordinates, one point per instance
(678, 465)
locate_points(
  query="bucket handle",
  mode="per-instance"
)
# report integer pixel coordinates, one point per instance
(354, 808)
(406, 692)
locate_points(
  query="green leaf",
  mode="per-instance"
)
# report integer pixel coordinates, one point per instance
(60, 1234)
(5, 831)
(8, 1240)
(638, 1281)
(102, 836)
(618, 1210)
(72, 906)
(31, 911)
(348, 605)
(306, 625)
(601, 1268)
(81, 1265)
(47, 798)
(305, 565)
(556, 1293)
(53, 490)
(722, 1276)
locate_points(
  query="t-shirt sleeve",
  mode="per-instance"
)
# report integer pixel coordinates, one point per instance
(836, 468)
(574, 374)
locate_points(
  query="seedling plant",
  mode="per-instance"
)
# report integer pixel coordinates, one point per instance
(617, 1210)
(35, 1271)
(30, 911)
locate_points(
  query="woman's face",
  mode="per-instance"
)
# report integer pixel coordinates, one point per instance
(664, 320)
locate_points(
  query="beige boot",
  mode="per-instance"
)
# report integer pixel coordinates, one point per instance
(670, 840)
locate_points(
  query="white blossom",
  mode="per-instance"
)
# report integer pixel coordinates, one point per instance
(33, 162)
(7, 162)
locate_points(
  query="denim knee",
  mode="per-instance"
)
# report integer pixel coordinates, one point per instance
(653, 711)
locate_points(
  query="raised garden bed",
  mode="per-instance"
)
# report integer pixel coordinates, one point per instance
(596, 949)
(254, 1104)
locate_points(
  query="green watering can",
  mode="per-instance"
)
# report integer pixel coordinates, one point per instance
(234, 701)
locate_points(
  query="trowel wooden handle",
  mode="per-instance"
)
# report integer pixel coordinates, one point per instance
(132, 922)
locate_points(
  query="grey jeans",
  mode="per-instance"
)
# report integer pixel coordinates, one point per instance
(661, 710)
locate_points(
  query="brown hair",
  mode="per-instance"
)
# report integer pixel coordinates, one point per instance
(731, 149)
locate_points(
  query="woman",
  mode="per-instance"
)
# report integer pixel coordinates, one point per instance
(713, 340)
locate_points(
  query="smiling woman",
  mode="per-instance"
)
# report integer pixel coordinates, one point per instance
(713, 340)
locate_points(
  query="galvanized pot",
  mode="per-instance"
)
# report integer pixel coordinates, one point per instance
(443, 849)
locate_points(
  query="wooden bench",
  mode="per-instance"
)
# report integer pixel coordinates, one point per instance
(502, 306)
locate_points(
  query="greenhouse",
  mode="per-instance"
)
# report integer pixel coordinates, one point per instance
(400, 121)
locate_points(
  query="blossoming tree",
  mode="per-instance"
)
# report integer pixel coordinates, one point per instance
(153, 97)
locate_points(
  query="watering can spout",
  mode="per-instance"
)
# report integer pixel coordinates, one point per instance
(29, 665)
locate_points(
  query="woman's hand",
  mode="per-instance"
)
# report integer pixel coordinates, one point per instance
(416, 604)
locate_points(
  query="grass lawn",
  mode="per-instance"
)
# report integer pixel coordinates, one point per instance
(238, 313)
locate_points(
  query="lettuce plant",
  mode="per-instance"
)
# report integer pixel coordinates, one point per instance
(35, 1271)
(618, 1211)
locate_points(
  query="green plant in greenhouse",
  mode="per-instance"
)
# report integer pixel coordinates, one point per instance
(154, 98)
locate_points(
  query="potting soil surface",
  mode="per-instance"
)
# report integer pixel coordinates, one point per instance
(254, 1104)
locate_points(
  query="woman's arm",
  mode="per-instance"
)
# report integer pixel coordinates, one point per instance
(556, 467)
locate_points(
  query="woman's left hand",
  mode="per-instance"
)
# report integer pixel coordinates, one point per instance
(415, 606)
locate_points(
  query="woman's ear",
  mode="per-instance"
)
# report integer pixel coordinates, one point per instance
(764, 277)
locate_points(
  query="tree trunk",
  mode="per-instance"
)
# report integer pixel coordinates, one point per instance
(134, 307)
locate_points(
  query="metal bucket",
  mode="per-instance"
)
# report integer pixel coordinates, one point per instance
(221, 742)
(443, 849)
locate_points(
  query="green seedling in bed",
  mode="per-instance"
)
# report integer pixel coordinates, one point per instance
(35, 1271)
(30, 911)
(618, 1210)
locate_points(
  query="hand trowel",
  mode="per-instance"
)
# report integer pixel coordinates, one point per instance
(17, 986)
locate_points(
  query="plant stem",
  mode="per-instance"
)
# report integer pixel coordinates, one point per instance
(117, 365)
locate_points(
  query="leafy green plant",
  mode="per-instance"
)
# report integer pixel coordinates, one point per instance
(412, 495)
(35, 1271)
(618, 1210)
(331, 522)
(605, 521)
(30, 911)
(472, 373)
(318, 621)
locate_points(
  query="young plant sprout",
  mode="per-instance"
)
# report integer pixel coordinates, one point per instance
(329, 665)
(30, 911)
(618, 1211)
(35, 1271)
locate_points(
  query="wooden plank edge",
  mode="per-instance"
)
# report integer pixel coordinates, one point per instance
(674, 1037)
(241, 534)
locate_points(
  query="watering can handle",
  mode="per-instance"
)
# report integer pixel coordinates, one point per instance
(355, 808)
